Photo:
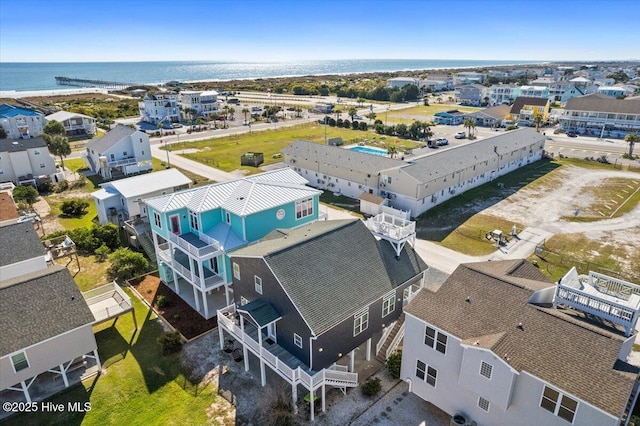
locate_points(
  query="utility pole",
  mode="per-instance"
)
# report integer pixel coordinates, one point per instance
(325, 130)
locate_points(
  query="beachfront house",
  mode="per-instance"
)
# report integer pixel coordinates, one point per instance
(499, 344)
(121, 152)
(77, 125)
(160, 108)
(421, 184)
(27, 162)
(601, 115)
(305, 300)
(121, 200)
(21, 123)
(197, 104)
(193, 230)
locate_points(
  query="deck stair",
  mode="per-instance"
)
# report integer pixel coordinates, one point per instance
(392, 340)
(144, 239)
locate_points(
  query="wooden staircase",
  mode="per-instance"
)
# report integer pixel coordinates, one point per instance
(397, 327)
(146, 242)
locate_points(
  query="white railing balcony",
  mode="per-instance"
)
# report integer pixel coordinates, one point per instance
(164, 252)
(391, 226)
(211, 246)
(185, 272)
(123, 162)
(213, 281)
(107, 301)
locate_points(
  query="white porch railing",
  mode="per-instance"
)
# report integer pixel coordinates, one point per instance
(395, 342)
(123, 162)
(333, 375)
(98, 300)
(196, 251)
(391, 226)
(385, 336)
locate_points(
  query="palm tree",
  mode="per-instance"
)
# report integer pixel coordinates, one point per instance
(537, 120)
(298, 112)
(245, 111)
(352, 112)
(232, 111)
(469, 123)
(338, 111)
(392, 150)
(58, 145)
(160, 125)
(631, 139)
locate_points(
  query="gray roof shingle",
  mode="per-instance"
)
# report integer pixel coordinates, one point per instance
(17, 145)
(332, 269)
(603, 103)
(483, 303)
(39, 306)
(111, 139)
(342, 158)
(19, 242)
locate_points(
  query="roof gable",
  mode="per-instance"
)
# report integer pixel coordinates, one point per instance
(111, 139)
(522, 101)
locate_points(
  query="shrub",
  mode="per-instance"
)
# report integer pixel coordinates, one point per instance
(371, 386)
(161, 301)
(62, 186)
(45, 187)
(102, 252)
(170, 343)
(363, 126)
(75, 207)
(511, 127)
(25, 194)
(126, 264)
(393, 364)
(109, 234)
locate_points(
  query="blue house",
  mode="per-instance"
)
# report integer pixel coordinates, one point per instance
(194, 229)
(450, 118)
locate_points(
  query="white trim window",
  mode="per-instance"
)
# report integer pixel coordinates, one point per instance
(236, 271)
(297, 340)
(435, 339)
(360, 322)
(486, 370)
(426, 373)
(258, 284)
(388, 304)
(19, 361)
(484, 404)
(243, 301)
(156, 220)
(559, 404)
(193, 221)
(304, 208)
(227, 217)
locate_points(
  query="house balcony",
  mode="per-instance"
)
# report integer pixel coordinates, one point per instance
(107, 301)
(602, 296)
(391, 227)
(137, 225)
(282, 362)
(197, 244)
(124, 162)
(180, 263)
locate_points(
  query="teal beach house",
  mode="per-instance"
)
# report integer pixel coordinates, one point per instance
(193, 230)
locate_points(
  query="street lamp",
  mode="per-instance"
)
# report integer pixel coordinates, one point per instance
(166, 147)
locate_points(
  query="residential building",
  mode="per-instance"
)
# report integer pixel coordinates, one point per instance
(76, 125)
(503, 94)
(472, 94)
(121, 152)
(160, 108)
(569, 92)
(601, 115)
(307, 292)
(121, 200)
(193, 230)
(27, 161)
(613, 91)
(424, 182)
(194, 104)
(400, 82)
(499, 344)
(490, 117)
(470, 77)
(451, 118)
(534, 91)
(21, 123)
(432, 85)
(25, 254)
(525, 109)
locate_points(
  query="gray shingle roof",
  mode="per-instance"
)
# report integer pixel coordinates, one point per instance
(261, 311)
(556, 347)
(342, 158)
(435, 165)
(602, 103)
(19, 242)
(17, 145)
(39, 306)
(111, 139)
(332, 269)
(498, 112)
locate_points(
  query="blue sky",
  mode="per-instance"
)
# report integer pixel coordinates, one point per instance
(100, 30)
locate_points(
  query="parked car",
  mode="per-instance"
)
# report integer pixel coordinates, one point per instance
(572, 134)
(176, 125)
(357, 117)
(442, 141)
(460, 135)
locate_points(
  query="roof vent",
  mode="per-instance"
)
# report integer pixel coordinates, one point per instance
(520, 326)
(468, 299)
(506, 357)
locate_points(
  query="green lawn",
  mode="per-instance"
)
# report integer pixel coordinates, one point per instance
(195, 179)
(469, 238)
(74, 164)
(92, 273)
(224, 153)
(138, 386)
(55, 202)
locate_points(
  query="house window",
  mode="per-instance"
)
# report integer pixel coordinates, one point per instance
(227, 217)
(19, 361)
(193, 220)
(36, 152)
(297, 340)
(304, 208)
(486, 370)
(142, 152)
(156, 220)
(113, 157)
(388, 303)
(435, 339)
(124, 153)
(258, 282)
(483, 403)
(243, 301)
(42, 166)
(360, 322)
(426, 373)
(236, 271)
(559, 404)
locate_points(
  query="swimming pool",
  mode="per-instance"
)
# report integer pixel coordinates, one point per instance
(370, 150)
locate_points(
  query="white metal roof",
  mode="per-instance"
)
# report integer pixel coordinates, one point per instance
(141, 185)
(65, 115)
(243, 196)
(102, 194)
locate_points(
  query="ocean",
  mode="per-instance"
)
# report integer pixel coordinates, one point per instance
(41, 76)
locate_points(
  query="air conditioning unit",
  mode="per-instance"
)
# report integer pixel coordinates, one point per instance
(331, 185)
(383, 193)
(391, 196)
